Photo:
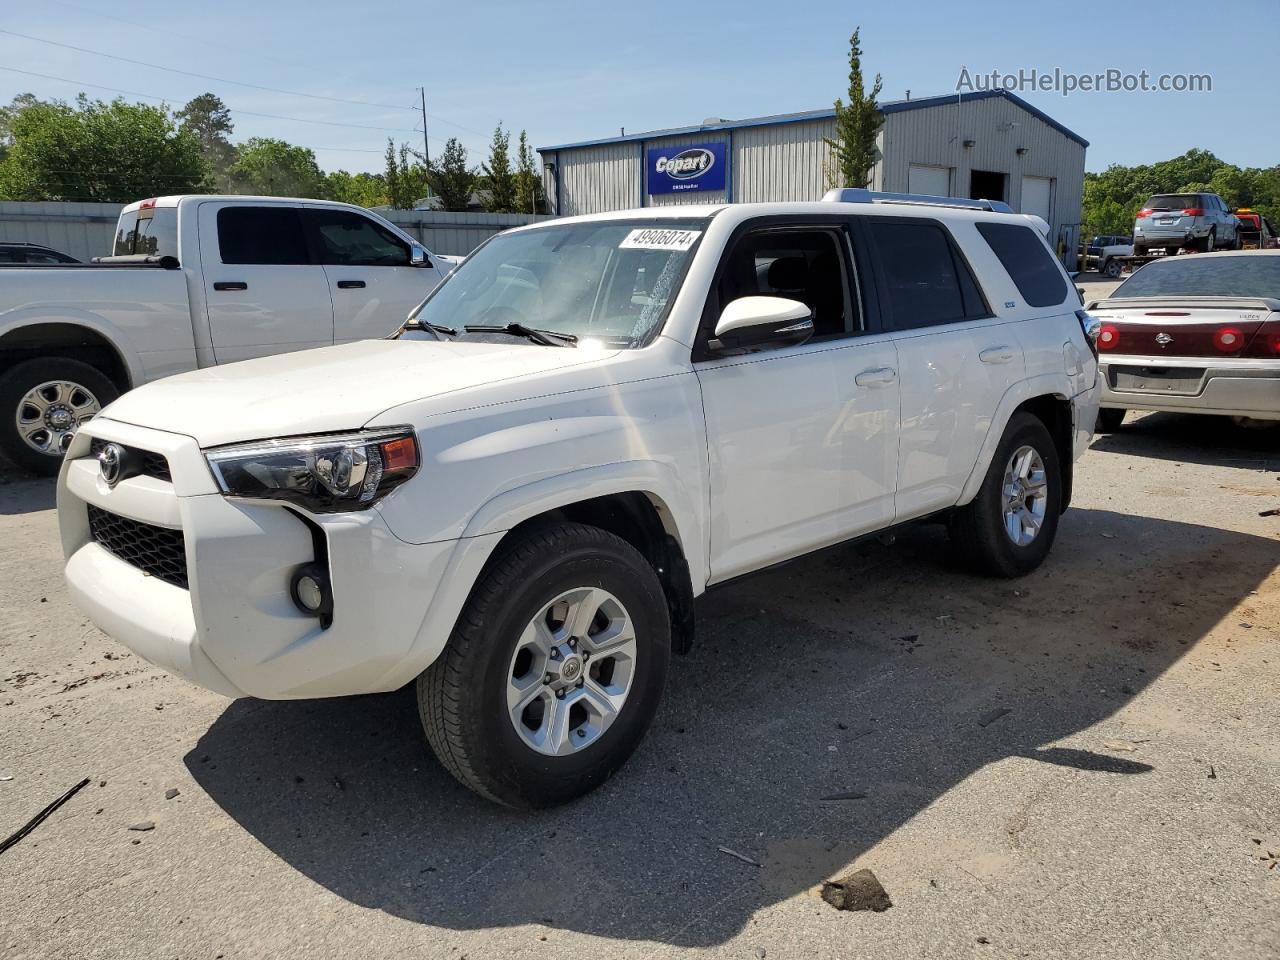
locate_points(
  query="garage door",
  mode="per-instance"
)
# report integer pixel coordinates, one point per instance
(931, 181)
(1036, 195)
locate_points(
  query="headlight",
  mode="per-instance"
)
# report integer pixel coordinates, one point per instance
(326, 474)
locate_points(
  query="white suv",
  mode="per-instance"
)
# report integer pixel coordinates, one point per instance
(590, 422)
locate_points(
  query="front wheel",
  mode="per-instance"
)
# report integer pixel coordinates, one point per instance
(1109, 420)
(554, 669)
(43, 402)
(1008, 528)
(1112, 269)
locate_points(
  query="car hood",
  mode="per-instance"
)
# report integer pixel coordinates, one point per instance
(330, 388)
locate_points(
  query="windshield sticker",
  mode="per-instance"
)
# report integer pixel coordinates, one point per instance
(650, 239)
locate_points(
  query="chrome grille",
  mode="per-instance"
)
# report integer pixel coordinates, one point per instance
(148, 464)
(157, 551)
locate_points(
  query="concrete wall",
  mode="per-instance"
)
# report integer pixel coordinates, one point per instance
(87, 230)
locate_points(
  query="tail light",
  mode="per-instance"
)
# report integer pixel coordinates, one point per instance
(1193, 212)
(1108, 337)
(1228, 340)
(1145, 212)
(147, 204)
(1266, 342)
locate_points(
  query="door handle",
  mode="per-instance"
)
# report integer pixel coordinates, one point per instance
(996, 355)
(877, 377)
(350, 284)
(230, 285)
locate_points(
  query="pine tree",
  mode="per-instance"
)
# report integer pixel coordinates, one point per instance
(857, 124)
(501, 181)
(528, 186)
(451, 178)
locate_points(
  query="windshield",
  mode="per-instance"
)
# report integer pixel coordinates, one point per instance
(1246, 275)
(610, 280)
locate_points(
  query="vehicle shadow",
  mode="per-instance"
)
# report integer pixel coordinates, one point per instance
(20, 492)
(864, 669)
(1191, 438)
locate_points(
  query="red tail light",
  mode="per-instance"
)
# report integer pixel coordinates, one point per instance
(147, 204)
(1228, 340)
(1144, 212)
(1193, 212)
(1266, 342)
(1108, 337)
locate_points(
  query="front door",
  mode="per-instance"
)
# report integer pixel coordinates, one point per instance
(367, 267)
(262, 292)
(802, 440)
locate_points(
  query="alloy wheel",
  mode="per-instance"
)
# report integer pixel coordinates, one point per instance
(49, 415)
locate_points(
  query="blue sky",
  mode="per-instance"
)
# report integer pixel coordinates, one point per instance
(570, 71)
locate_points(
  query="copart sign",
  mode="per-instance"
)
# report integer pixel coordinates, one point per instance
(698, 167)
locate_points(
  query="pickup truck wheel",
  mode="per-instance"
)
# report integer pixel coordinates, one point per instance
(43, 402)
(554, 670)
(1009, 527)
(1109, 419)
(1112, 269)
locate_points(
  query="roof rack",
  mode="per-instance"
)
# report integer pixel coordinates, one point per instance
(861, 195)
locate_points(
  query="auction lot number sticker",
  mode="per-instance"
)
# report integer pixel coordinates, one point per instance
(649, 239)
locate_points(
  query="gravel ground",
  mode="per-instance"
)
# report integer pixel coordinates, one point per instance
(1125, 805)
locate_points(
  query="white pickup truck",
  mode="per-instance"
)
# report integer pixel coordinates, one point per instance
(588, 424)
(194, 281)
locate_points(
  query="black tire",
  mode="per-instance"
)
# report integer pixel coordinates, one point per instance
(977, 529)
(462, 696)
(1112, 269)
(1208, 243)
(1172, 251)
(19, 380)
(1109, 420)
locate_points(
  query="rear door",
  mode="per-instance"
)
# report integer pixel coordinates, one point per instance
(262, 292)
(371, 281)
(955, 361)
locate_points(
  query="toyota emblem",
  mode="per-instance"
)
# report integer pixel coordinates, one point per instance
(1163, 339)
(111, 463)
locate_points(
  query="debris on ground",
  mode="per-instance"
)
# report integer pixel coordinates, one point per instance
(1270, 513)
(859, 890)
(1124, 746)
(143, 826)
(171, 793)
(738, 856)
(852, 795)
(40, 817)
(992, 716)
(1213, 774)
(761, 953)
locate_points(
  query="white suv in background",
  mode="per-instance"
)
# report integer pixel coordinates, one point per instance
(516, 500)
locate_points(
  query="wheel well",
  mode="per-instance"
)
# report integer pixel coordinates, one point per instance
(645, 524)
(1055, 413)
(68, 340)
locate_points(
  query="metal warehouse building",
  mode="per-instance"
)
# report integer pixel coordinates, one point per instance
(989, 145)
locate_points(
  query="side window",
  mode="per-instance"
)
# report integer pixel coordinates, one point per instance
(261, 235)
(926, 283)
(348, 239)
(34, 257)
(1034, 271)
(808, 265)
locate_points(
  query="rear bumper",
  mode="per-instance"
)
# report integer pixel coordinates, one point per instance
(1245, 388)
(1155, 236)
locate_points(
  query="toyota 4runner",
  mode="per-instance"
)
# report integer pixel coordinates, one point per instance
(515, 500)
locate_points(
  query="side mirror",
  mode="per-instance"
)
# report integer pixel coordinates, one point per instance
(763, 322)
(418, 255)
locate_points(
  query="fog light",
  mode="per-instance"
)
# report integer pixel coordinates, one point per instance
(311, 594)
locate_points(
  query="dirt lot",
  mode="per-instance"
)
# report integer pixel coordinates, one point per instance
(1124, 806)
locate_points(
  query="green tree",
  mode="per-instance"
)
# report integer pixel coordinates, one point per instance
(406, 180)
(208, 118)
(500, 180)
(362, 189)
(9, 114)
(451, 179)
(528, 184)
(857, 125)
(274, 168)
(96, 151)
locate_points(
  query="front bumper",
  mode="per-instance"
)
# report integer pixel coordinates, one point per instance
(235, 630)
(1243, 388)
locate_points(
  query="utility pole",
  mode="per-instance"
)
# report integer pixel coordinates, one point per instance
(426, 146)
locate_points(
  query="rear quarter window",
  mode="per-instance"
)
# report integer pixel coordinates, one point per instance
(1030, 265)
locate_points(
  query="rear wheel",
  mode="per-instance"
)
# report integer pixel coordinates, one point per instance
(43, 403)
(554, 670)
(1207, 244)
(1110, 419)
(1010, 525)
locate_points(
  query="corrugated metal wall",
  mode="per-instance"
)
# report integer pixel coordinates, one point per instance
(784, 162)
(593, 179)
(81, 230)
(86, 230)
(998, 127)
